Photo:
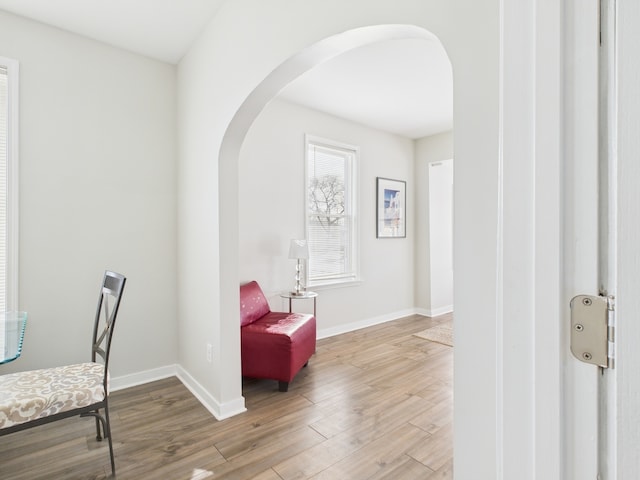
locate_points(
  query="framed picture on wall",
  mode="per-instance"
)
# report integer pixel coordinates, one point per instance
(391, 211)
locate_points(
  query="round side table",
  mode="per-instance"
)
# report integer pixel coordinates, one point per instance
(303, 296)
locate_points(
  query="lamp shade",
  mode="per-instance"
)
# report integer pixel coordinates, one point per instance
(298, 249)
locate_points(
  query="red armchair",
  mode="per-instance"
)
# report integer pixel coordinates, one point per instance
(274, 345)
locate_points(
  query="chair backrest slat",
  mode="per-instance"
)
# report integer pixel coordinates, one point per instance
(110, 292)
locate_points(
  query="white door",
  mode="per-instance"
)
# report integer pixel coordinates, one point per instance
(605, 449)
(619, 388)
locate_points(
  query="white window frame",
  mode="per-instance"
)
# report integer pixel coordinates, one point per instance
(12, 280)
(352, 191)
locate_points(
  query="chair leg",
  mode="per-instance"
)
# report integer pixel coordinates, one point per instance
(98, 434)
(283, 386)
(107, 432)
(106, 429)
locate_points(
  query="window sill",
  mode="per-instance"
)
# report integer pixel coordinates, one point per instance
(334, 285)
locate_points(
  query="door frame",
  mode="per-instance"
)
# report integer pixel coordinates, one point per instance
(626, 414)
(610, 397)
(580, 183)
(530, 304)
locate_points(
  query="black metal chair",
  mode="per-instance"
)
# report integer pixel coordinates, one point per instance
(36, 397)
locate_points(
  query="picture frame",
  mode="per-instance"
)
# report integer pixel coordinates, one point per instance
(391, 212)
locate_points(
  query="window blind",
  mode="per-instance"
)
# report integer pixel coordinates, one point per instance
(330, 215)
(4, 160)
(4, 153)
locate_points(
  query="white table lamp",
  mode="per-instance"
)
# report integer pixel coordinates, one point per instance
(298, 250)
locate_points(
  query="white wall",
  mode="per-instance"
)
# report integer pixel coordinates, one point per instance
(271, 212)
(97, 191)
(434, 241)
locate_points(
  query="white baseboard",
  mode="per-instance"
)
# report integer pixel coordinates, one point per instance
(441, 310)
(140, 378)
(368, 322)
(219, 410)
(435, 312)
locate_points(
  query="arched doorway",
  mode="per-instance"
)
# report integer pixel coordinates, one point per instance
(269, 88)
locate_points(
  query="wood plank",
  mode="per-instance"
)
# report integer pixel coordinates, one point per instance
(360, 430)
(437, 450)
(376, 458)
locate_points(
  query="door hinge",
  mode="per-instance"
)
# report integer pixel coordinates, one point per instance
(593, 329)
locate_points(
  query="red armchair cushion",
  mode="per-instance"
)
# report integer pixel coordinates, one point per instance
(278, 345)
(253, 304)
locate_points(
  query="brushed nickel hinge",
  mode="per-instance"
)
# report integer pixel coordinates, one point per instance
(593, 324)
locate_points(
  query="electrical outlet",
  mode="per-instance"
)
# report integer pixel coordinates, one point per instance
(209, 348)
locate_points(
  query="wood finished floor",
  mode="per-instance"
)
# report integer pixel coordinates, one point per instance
(372, 404)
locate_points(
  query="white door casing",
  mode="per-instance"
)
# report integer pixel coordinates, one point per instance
(607, 223)
(580, 230)
(531, 308)
(613, 394)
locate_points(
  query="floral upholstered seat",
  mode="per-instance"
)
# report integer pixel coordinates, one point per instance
(27, 396)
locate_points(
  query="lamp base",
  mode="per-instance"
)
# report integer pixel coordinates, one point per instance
(297, 294)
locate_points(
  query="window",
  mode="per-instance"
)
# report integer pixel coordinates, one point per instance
(8, 184)
(331, 212)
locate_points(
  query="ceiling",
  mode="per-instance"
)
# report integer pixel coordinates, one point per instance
(161, 29)
(401, 86)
